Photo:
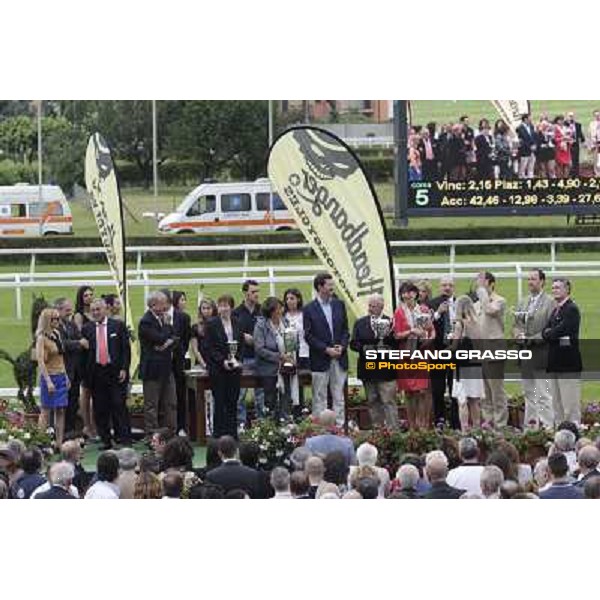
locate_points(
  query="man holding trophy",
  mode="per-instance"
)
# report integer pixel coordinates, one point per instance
(530, 319)
(372, 331)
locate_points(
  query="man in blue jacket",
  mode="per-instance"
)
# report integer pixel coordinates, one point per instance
(327, 336)
(562, 488)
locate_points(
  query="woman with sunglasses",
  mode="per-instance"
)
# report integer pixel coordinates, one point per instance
(54, 383)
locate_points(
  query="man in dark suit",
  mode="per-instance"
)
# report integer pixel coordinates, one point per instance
(380, 387)
(443, 317)
(484, 151)
(564, 358)
(436, 467)
(157, 340)
(61, 477)
(561, 487)
(578, 138)
(246, 315)
(182, 328)
(326, 333)
(527, 147)
(107, 365)
(74, 345)
(232, 474)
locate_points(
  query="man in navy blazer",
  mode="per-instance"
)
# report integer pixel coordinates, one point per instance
(564, 358)
(107, 364)
(326, 333)
(527, 147)
(562, 488)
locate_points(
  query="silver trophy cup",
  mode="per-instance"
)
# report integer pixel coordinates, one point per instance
(521, 317)
(382, 327)
(231, 359)
(290, 344)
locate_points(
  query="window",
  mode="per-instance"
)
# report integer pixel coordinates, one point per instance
(17, 210)
(278, 203)
(204, 204)
(262, 202)
(54, 209)
(235, 202)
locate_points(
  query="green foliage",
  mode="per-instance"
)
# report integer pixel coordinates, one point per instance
(12, 172)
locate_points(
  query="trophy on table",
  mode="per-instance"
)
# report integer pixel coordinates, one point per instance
(290, 344)
(232, 361)
(521, 317)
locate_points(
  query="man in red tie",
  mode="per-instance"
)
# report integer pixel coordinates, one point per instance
(107, 364)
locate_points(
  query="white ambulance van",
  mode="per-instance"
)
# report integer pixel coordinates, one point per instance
(229, 207)
(23, 212)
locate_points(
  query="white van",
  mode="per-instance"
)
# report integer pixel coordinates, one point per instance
(23, 214)
(216, 207)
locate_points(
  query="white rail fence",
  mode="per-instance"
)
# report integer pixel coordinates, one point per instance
(273, 275)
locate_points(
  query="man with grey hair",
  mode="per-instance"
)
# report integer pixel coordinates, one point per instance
(564, 442)
(299, 457)
(367, 455)
(436, 469)
(128, 461)
(444, 307)
(467, 476)
(380, 386)
(542, 475)
(564, 358)
(157, 339)
(327, 442)
(588, 460)
(491, 480)
(61, 479)
(407, 477)
(280, 482)
(315, 470)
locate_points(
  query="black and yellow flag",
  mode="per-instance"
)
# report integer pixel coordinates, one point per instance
(324, 186)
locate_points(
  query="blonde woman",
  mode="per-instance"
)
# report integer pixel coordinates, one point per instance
(54, 383)
(468, 384)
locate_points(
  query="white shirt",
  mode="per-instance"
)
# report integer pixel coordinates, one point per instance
(282, 496)
(296, 320)
(103, 490)
(466, 477)
(46, 486)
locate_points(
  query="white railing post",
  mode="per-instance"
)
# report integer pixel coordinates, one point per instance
(139, 263)
(32, 267)
(452, 258)
(271, 281)
(553, 255)
(246, 260)
(519, 284)
(146, 288)
(18, 297)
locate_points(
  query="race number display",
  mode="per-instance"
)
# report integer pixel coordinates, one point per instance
(578, 195)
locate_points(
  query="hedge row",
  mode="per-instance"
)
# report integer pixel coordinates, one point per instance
(295, 236)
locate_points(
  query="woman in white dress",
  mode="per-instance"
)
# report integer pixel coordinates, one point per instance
(292, 317)
(468, 383)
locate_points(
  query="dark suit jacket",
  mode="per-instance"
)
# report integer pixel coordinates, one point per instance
(182, 327)
(483, 150)
(70, 336)
(363, 335)
(563, 357)
(527, 138)
(440, 490)
(215, 344)
(441, 325)
(119, 349)
(581, 482)
(154, 364)
(318, 335)
(562, 491)
(234, 475)
(55, 493)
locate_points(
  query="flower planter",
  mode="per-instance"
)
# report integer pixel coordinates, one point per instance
(31, 418)
(516, 416)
